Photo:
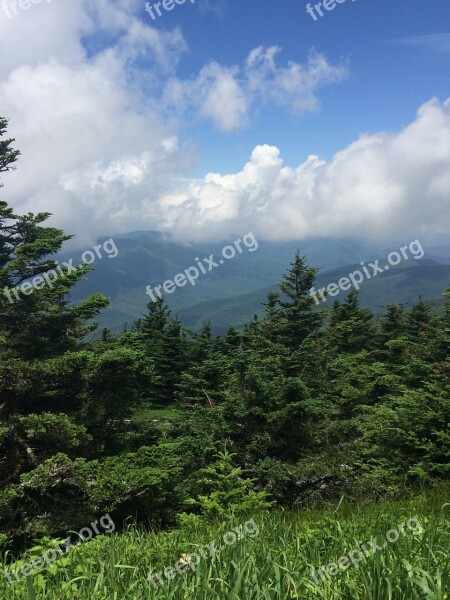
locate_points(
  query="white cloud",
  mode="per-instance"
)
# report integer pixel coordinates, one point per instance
(220, 8)
(226, 95)
(295, 86)
(83, 86)
(83, 92)
(224, 100)
(381, 186)
(437, 42)
(89, 138)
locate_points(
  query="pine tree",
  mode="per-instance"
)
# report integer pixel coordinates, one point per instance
(275, 324)
(302, 319)
(202, 345)
(393, 323)
(228, 493)
(166, 346)
(8, 156)
(442, 342)
(231, 341)
(42, 371)
(351, 327)
(155, 321)
(40, 322)
(418, 319)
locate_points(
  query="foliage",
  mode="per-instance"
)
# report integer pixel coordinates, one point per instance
(227, 491)
(274, 564)
(309, 406)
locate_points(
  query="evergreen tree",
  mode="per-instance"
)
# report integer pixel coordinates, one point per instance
(406, 437)
(351, 327)
(302, 319)
(393, 323)
(166, 346)
(8, 156)
(228, 493)
(231, 341)
(275, 324)
(202, 345)
(418, 319)
(153, 324)
(42, 376)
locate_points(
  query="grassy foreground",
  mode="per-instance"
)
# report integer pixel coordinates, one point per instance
(271, 558)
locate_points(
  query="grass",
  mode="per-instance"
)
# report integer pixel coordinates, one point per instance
(162, 413)
(274, 564)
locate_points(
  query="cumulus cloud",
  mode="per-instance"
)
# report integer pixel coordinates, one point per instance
(380, 186)
(294, 86)
(226, 95)
(96, 108)
(92, 143)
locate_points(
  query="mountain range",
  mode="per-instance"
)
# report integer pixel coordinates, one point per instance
(234, 291)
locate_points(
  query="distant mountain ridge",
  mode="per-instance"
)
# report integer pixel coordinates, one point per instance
(233, 292)
(401, 285)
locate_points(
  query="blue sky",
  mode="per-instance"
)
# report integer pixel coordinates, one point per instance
(229, 115)
(388, 80)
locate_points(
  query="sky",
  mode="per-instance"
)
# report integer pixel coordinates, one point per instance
(221, 117)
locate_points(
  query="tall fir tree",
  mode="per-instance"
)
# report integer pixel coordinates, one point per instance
(351, 327)
(166, 345)
(298, 306)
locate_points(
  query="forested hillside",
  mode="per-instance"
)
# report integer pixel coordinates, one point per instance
(304, 407)
(233, 294)
(293, 409)
(224, 300)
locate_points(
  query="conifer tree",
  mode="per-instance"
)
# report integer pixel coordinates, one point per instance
(302, 319)
(228, 492)
(42, 368)
(166, 346)
(36, 317)
(418, 319)
(155, 321)
(8, 156)
(351, 327)
(202, 345)
(275, 324)
(393, 323)
(231, 341)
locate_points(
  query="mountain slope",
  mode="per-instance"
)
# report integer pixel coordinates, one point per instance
(398, 285)
(233, 292)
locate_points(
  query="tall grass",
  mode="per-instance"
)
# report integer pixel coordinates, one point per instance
(274, 565)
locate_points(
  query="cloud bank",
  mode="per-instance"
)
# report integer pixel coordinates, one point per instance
(381, 186)
(99, 112)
